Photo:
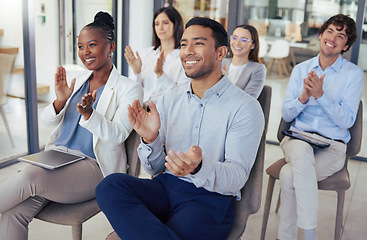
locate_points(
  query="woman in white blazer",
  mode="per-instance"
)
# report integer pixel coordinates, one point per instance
(90, 118)
(243, 67)
(158, 68)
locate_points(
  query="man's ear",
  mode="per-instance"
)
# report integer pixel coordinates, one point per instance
(345, 48)
(221, 52)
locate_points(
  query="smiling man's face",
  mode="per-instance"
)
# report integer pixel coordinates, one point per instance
(198, 54)
(333, 41)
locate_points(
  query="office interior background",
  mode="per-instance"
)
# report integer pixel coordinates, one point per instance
(41, 35)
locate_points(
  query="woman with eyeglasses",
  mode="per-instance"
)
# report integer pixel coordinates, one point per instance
(243, 67)
(158, 68)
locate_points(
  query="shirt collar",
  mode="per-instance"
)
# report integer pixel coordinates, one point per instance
(218, 89)
(336, 65)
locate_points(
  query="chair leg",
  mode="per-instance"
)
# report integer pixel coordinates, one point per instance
(77, 231)
(339, 215)
(288, 65)
(280, 68)
(278, 203)
(261, 60)
(284, 66)
(269, 195)
(270, 65)
(6, 126)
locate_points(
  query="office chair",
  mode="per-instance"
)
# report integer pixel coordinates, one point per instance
(279, 51)
(338, 182)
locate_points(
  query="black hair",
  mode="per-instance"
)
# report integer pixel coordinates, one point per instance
(104, 22)
(254, 53)
(175, 17)
(341, 21)
(218, 32)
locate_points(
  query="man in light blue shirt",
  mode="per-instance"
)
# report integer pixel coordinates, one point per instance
(322, 99)
(204, 136)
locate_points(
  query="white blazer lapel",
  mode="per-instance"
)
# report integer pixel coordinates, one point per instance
(108, 91)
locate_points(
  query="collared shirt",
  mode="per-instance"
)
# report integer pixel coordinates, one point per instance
(226, 124)
(173, 73)
(335, 111)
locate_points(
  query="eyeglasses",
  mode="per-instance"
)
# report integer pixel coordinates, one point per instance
(244, 40)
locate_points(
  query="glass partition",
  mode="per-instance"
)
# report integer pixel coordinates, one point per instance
(13, 130)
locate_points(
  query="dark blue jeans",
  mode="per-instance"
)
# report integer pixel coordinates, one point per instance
(164, 208)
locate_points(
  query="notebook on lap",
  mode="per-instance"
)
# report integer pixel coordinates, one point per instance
(314, 142)
(51, 159)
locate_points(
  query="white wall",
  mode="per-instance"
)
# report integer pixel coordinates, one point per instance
(11, 23)
(47, 45)
(140, 24)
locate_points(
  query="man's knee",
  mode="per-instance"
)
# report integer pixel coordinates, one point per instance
(286, 175)
(296, 151)
(109, 185)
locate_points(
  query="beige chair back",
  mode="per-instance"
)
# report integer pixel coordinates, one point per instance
(131, 145)
(6, 68)
(251, 193)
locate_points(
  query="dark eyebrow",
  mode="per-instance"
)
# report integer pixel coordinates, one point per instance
(339, 32)
(89, 41)
(201, 38)
(195, 38)
(343, 34)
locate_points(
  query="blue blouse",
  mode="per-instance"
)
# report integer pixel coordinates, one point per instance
(74, 136)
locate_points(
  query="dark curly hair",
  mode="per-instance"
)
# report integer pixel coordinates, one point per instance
(341, 21)
(104, 22)
(175, 17)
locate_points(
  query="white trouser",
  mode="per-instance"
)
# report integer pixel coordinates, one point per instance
(298, 181)
(23, 195)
